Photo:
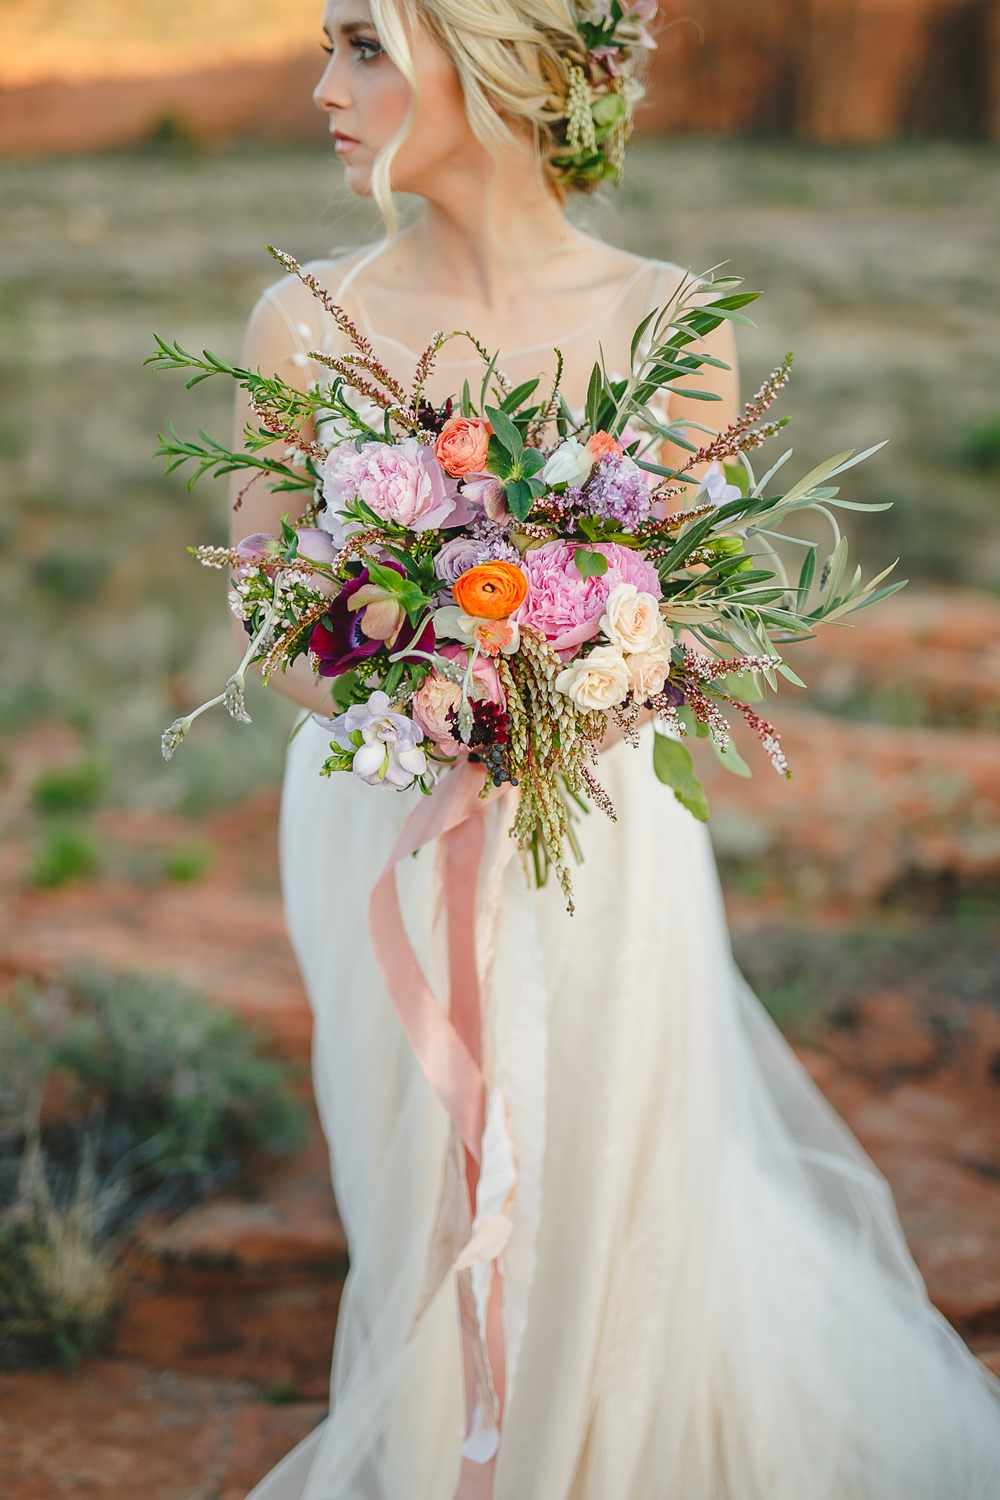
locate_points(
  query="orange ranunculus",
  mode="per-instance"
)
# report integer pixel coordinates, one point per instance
(490, 591)
(602, 443)
(462, 445)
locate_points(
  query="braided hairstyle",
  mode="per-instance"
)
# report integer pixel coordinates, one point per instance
(567, 73)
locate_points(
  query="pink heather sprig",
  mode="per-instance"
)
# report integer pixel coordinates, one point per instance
(548, 412)
(707, 712)
(739, 437)
(769, 737)
(425, 364)
(387, 399)
(356, 545)
(711, 668)
(337, 313)
(671, 522)
(281, 644)
(271, 422)
(378, 370)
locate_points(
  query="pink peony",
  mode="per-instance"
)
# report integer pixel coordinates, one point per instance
(566, 608)
(402, 482)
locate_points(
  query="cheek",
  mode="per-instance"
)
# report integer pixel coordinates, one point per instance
(387, 101)
(441, 128)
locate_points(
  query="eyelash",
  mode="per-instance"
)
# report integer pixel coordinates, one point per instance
(367, 49)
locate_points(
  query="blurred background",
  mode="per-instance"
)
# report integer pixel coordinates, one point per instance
(165, 1214)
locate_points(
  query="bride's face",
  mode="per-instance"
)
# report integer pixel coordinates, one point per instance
(367, 99)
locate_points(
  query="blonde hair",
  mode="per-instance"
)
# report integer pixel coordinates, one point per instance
(512, 58)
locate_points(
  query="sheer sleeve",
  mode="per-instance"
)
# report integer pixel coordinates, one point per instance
(286, 325)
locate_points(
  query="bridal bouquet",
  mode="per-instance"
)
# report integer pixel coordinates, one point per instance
(500, 579)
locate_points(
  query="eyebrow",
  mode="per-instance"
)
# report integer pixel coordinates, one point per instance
(350, 28)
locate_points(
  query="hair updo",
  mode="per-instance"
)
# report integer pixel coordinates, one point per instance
(514, 60)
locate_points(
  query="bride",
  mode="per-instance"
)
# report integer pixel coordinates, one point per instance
(705, 1291)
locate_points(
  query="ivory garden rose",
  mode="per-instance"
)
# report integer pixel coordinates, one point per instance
(648, 670)
(631, 618)
(599, 680)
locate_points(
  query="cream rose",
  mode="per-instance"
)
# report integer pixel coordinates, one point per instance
(631, 618)
(599, 680)
(432, 702)
(647, 670)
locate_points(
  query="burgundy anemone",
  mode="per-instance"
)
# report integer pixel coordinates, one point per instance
(338, 642)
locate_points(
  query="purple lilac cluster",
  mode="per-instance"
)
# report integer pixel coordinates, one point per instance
(493, 537)
(615, 490)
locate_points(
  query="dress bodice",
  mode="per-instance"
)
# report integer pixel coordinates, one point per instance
(606, 334)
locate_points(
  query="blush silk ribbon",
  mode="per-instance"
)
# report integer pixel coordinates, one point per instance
(449, 1046)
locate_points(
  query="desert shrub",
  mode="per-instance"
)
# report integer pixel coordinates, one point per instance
(188, 1077)
(161, 1094)
(69, 789)
(67, 852)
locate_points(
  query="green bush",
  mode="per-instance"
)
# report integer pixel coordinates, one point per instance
(70, 789)
(68, 852)
(187, 1077)
(980, 448)
(187, 862)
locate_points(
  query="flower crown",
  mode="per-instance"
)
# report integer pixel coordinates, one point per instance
(597, 124)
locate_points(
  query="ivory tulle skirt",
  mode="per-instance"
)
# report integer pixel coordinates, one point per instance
(707, 1294)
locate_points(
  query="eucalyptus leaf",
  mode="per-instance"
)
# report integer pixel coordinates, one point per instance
(673, 766)
(731, 758)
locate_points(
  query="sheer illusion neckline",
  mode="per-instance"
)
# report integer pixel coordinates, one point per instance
(347, 283)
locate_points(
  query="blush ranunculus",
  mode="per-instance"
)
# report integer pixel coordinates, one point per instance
(462, 446)
(601, 443)
(491, 591)
(402, 482)
(566, 608)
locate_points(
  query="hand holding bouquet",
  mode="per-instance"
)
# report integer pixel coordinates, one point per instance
(500, 579)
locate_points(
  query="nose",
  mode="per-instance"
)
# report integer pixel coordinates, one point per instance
(330, 92)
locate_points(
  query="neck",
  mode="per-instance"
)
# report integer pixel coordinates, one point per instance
(487, 227)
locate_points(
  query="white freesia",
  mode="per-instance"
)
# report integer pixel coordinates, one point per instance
(715, 489)
(598, 680)
(569, 464)
(385, 744)
(631, 618)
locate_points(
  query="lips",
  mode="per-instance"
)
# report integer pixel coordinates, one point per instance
(342, 142)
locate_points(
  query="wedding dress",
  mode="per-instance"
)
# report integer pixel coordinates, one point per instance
(707, 1295)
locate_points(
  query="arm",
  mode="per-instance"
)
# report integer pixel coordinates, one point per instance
(277, 338)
